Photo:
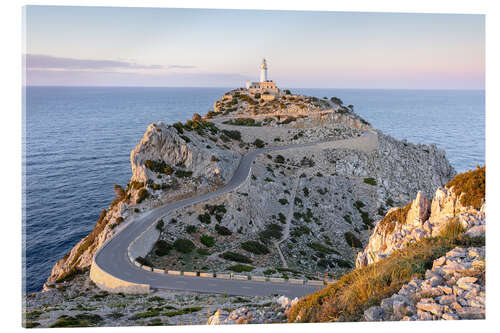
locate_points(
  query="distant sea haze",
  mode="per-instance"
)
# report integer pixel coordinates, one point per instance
(78, 143)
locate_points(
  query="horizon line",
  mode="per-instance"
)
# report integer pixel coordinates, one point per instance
(226, 87)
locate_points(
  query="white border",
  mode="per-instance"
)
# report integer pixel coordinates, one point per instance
(11, 140)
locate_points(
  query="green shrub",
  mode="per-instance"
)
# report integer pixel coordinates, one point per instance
(305, 190)
(203, 252)
(191, 229)
(158, 166)
(185, 138)
(183, 174)
(347, 218)
(235, 135)
(299, 231)
(143, 261)
(283, 201)
(259, 143)
(269, 272)
(470, 187)
(160, 224)
(240, 268)
(322, 248)
(221, 230)
(234, 256)
(281, 218)
(208, 241)
(204, 218)
(272, 230)
(370, 181)
(254, 247)
(279, 159)
(359, 204)
(141, 195)
(184, 245)
(79, 320)
(352, 240)
(162, 248)
(242, 122)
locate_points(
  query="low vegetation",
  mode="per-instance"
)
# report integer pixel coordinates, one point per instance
(184, 245)
(370, 181)
(397, 215)
(255, 247)
(162, 248)
(242, 122)
(221, 230)
(471, 186)
(241, 268)
(352, 240)
(235, 256)
(272, 230)
(207, 240)
(348, 298)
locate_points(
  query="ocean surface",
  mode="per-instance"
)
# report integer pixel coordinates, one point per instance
(78, 143)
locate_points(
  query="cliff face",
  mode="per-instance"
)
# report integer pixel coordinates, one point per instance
(189, 151)
(419, 220)
(178, 166)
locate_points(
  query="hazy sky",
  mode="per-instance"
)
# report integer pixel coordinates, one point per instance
(200, 47)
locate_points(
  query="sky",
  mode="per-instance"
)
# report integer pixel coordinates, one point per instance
(105, 46)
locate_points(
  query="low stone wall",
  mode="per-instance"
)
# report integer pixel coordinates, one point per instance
(295, 281)
(273, 279)
(240, 277)
(315, 283)
(223, 276)
(112, 284)
(259, 278)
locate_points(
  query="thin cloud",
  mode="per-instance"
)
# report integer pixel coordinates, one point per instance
(181, 67)
(40, 61)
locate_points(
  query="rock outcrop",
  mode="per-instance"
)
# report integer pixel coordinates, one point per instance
(453, 289)
(195, 168)
(209, 163)
(421, 219)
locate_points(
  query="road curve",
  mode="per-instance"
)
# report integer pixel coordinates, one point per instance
(113, 258)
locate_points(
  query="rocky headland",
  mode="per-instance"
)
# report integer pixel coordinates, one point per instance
(305, 212)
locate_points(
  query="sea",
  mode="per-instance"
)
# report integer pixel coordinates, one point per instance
(78, 140)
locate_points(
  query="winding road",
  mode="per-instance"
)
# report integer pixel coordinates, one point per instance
(113, 258)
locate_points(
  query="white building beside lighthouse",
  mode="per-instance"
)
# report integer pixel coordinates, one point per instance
(265, 86)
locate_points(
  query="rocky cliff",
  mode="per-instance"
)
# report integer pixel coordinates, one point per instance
(418, 220)
(168, 163)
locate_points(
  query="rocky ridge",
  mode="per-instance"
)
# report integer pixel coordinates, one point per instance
(453, 289)
(423, 219)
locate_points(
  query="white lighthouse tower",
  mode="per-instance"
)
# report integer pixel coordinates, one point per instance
(263, 71)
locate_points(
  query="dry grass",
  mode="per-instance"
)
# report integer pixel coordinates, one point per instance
(347, 299)
(472, 184)
(396, 216)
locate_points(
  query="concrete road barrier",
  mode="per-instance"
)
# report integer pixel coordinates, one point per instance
(147, 268)
(223, 276)
(137, 264)
(331, 281)
(259, 278)
(295, 281)
(210, 275)
(157, 270)
(275, 279)
(190, 274)
(315, 283)
(240, 277)
(174, 272)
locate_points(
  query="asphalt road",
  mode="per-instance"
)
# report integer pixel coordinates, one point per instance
(113, 256)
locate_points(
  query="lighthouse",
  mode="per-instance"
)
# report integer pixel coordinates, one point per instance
(263, 71)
